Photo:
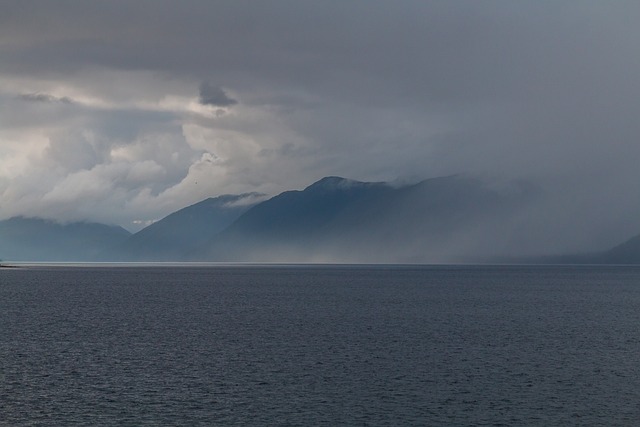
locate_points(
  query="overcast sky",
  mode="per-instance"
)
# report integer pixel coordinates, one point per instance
(123, 111)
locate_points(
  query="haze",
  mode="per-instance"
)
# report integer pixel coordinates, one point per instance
(122, 112)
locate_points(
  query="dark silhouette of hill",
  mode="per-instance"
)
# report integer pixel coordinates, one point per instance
(300, 214)
(621, 255)
(447, 219)
(177, 234)
(34, 239)
(341, 220)
(625, 253)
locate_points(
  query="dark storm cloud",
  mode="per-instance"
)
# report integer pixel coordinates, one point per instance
(214, 96)
(44, 97)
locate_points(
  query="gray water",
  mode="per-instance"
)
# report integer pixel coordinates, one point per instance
(251, 345)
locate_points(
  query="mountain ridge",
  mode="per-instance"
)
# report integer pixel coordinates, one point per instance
(454, 218)
(36, 239)
(170, 238)
(336, 219)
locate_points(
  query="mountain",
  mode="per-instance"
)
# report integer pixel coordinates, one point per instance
(625, 253)
(180, 232)
(446, 219)
(35, 239)
(303, 214)
(341, 220)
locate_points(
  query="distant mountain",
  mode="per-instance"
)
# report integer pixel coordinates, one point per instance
(180, 232)
(447, 219)
(304, 214)
(341, 220)
(625, 253)
(34, 239)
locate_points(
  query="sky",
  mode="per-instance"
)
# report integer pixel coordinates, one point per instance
(123, 111)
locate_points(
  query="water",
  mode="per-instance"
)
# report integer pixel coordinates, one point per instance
(251, 345)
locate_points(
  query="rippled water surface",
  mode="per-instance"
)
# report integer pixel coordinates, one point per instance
(270, 345)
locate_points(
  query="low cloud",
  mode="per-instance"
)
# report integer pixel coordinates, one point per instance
(246, 200)
(215, 96)
(44, 97)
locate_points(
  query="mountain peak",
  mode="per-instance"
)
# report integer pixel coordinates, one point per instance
(332, 183)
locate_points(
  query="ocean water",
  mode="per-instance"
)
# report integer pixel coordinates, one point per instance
(323, 345)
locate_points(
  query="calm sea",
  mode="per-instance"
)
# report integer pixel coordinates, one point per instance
(326, 345)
